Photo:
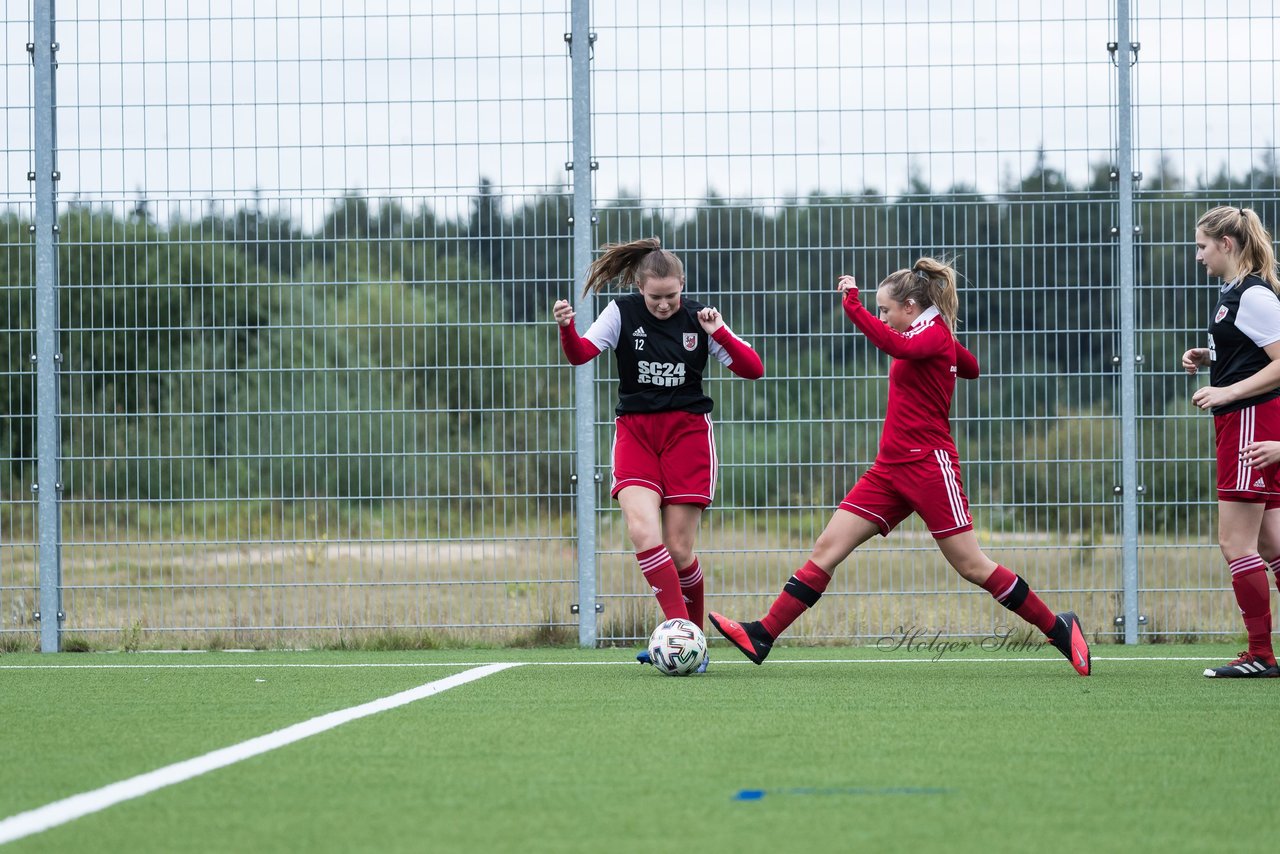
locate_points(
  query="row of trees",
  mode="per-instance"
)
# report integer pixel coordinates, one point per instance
(389, 353)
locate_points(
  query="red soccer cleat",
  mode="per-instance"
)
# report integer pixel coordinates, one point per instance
(1069, 640)
(750, 638)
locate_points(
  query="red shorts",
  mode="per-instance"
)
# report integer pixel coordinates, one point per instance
(672, 453)
(1238, 481)
(930, 486)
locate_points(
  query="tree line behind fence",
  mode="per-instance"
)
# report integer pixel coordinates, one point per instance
(393, 354)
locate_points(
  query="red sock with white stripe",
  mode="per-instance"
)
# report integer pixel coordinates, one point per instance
(660, 571)
(1008, 588)
(800, 593)
(1253, 595)
(691, 590)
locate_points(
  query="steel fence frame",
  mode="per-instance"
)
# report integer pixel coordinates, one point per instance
(502, 529)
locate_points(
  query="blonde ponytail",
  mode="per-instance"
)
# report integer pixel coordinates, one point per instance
(1257, 254)
(930, 282)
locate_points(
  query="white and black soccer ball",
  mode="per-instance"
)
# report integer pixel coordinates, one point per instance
(677, 647)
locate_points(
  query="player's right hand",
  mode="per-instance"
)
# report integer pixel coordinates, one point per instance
(563, 312)
(1194, 358)
(847, 286)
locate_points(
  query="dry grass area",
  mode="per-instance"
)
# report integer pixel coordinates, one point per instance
(519, 589)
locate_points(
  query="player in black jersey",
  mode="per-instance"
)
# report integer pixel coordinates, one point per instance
(1243, 358)
(664, 455)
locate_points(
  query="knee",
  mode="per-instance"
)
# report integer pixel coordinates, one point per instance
(975, 570)
(974, 574)
(643, 534)
(681, 554)
(824, 550)
(1239, 533)
(1234, 548)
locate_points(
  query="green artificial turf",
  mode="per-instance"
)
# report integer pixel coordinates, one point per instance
(582, 751)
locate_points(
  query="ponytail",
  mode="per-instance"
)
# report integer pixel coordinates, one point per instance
(930, 282)
(1257, 254)
(632, 263)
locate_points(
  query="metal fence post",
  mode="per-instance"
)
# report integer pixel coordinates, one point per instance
(1125, 56)
(48, 485)
(581, 44)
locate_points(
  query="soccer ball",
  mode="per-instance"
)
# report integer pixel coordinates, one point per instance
(677, 647)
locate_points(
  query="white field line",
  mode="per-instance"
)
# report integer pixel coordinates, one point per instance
(935, 659)
(76, 806)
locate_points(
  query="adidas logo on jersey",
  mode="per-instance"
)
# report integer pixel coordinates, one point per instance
(1259, 483)
(639, 333)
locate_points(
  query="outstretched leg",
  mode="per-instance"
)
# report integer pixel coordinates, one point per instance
(1010, 590)
(844, 533)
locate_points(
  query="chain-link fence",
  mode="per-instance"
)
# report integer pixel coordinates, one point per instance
(306, 388)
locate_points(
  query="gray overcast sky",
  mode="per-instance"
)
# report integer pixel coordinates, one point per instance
(300, 101)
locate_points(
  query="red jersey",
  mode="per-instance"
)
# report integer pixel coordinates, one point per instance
(922, 379)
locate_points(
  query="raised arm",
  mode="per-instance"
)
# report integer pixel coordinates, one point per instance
(882, 335)
(578, 349)
(732, 352)
(742, 360)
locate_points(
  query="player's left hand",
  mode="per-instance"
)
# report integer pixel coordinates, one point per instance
(1211, 396)
(710, 320)
(848, 287)
(1261, 454)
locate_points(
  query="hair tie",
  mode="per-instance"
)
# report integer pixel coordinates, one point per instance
(922, 274)
(1241, 211)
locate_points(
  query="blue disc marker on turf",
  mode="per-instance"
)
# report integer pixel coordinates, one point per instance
(758, 794)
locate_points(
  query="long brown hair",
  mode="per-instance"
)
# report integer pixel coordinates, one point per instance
(928, 282)
(632, 263)
(1257, 255)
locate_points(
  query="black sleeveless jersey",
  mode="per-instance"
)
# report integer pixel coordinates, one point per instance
(660, 362)
(1233, 354)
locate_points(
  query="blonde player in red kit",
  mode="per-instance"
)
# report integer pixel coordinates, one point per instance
(1243, 358)
(917, 469)
(664, 452)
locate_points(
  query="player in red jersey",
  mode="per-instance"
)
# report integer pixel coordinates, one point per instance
(916, 470)
(664, 452)
(1243, 358)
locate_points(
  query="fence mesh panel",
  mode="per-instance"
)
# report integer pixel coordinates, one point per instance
(311, 391)
(19, 592)
(776, 149)
(1206, 126)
